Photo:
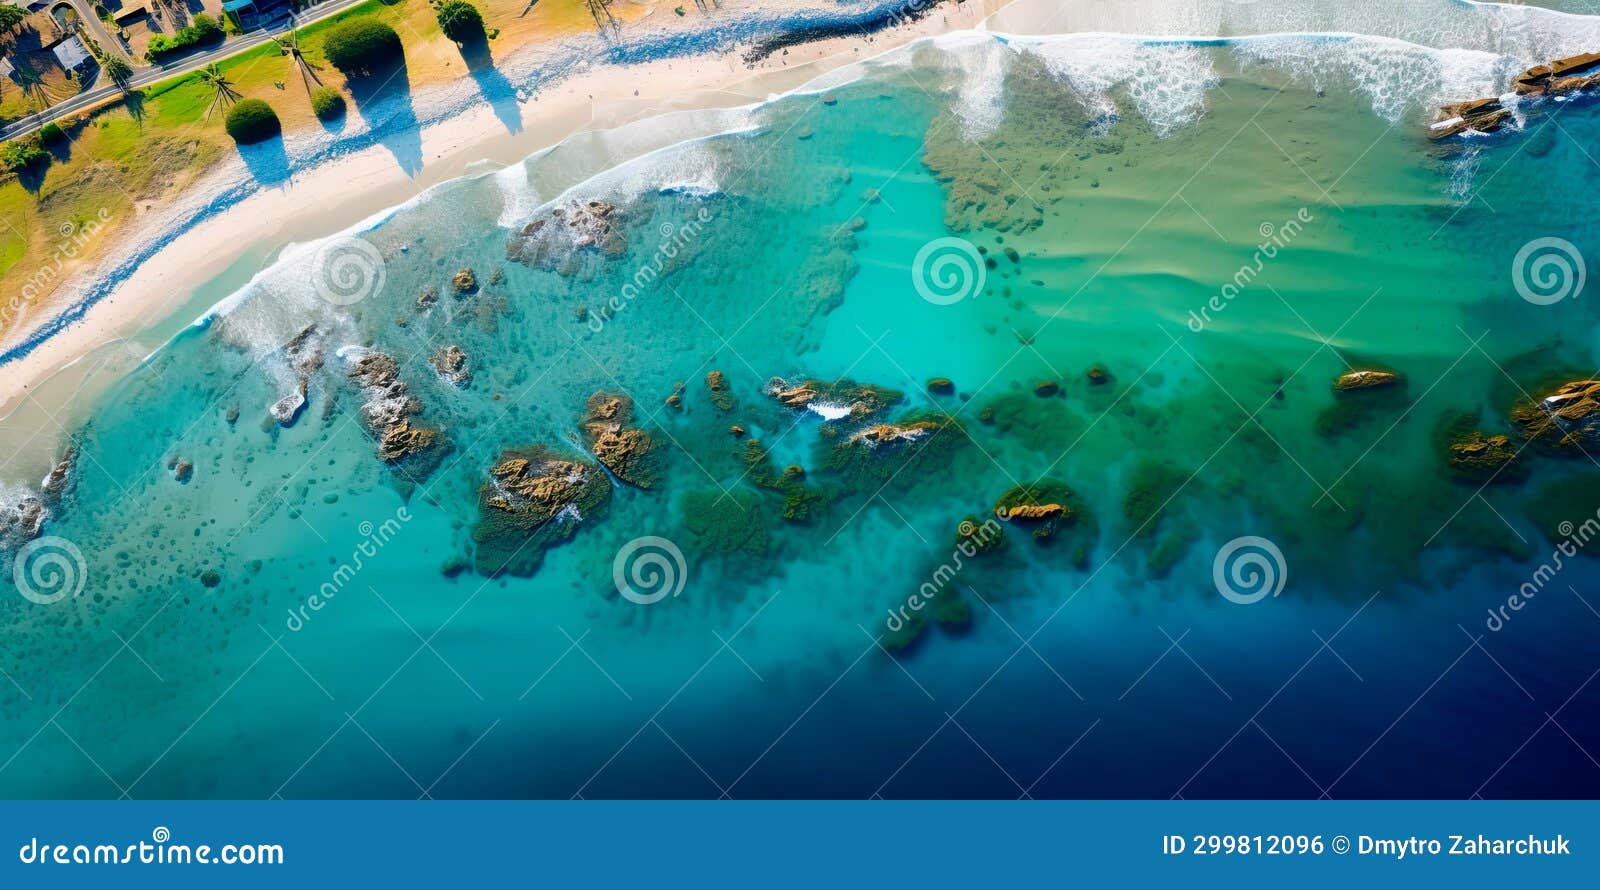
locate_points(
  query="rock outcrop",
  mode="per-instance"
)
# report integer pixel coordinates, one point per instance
(1557, 78)
(1042, 505)
(840, 400)
(388, 411)
(534, 499)
(287, 409)
(552, 241)
(626, 450)
(451, 363)
(1568, 417)
(1354, 381)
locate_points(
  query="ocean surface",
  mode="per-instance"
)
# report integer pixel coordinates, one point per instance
(1139, 240)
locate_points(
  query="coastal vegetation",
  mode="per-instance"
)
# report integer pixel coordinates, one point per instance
(202, 30)
(460, 21)
(327, 103)
(252, 121)
(359, 47)
(145, 147)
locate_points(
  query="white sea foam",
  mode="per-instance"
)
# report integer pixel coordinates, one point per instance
(829, 412)
(1165, 82)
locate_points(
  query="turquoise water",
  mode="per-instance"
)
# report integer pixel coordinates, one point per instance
(1114, 187)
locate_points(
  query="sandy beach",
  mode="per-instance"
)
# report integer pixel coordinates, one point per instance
(41, 392)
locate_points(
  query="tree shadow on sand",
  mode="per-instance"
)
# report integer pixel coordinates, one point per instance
(496, 89)
(384, 99)
(266, 160)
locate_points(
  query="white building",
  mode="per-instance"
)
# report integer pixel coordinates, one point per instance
(71, 53)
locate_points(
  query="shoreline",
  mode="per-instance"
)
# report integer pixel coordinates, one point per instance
(192, 244)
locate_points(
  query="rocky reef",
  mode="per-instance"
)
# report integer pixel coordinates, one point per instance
(556, 240)
(535, 498)
(624, 449)
(717, 385)
(799, 503)
(1482, 457)
(411, 448)
(451, 363)
(1560, 77)
(841, 400)
(1567, 418)
(1041, 506)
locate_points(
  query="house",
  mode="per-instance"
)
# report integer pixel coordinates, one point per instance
(71, 53)
(6, 68)
(252, 14)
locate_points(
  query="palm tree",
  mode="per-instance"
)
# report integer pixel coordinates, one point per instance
(223, 94)
(289, 45)
(603, 19)
(116, 68)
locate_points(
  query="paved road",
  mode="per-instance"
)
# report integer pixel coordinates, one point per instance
(97, 29)
(146, 76)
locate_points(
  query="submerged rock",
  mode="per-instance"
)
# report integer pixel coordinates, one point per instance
(1483, 457)
(535, 498)
(941, 386)
(626, 450)
(1568, 417)
(1046, 388)
(717, 385)
(799, 502)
